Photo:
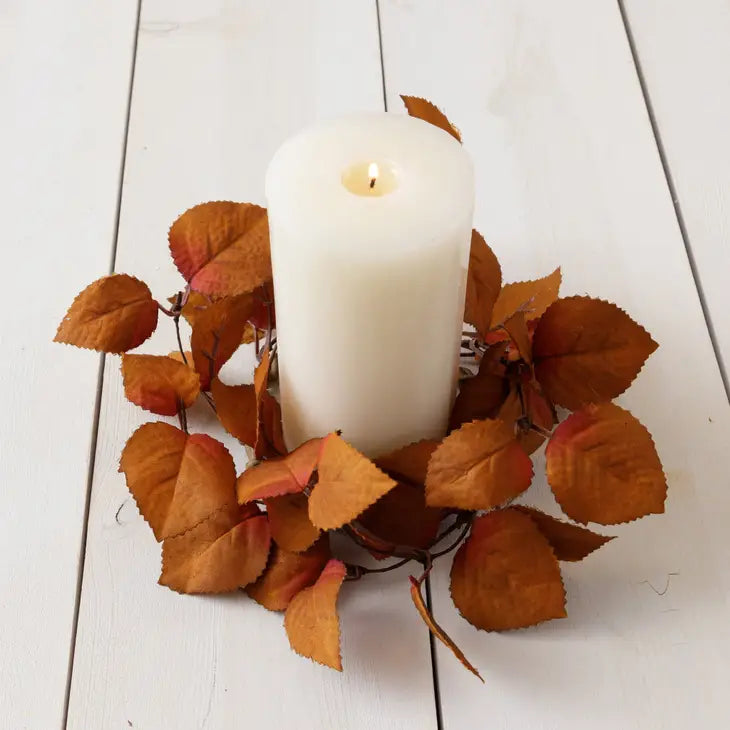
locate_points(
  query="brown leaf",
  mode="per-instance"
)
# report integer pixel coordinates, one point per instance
(478, 466)
(516, 328)
(536, 409)
(530, 297)
(221, 554)
(194, 305)
(588, 351)
(114, 314)
(288, 573)
(483, 282)
(311, 620)
(409, 463)
(603, 467)
(217, 334)
(277, 476)
(505, 575)
(236, 409)
(430, 113)
(269, 432)
(177, 480)
(348, 484)
(569, 542)
(291, 527)
(435, 629)
(222, 247)
(402, 517)
(159, 383)
(480, 396)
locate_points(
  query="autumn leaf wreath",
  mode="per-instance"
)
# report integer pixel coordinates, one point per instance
(539, 368)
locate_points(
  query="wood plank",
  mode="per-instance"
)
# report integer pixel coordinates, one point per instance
(64, 80)
(549, 104)
(684, 54)
(218, 87)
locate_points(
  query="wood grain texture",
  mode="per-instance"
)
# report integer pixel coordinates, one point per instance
(218, 87)
(64, 79)
(550, 107)
(684, 53)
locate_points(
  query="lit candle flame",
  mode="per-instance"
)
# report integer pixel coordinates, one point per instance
(373, 173)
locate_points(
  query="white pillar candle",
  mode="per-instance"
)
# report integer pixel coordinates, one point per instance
(370, 218)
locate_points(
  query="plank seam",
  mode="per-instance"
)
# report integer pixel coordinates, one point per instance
(434, 663)
(99, 386)
(382, 62)
(674, 196)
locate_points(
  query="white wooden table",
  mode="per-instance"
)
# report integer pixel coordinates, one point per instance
(599, 131)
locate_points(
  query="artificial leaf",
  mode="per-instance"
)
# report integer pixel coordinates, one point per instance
(225, 552)
(348, 484)
(236, 409)
(159, 383)
(195, 304)
(588, 351)
(430, 113)
(402, 517)
(505, 575)
(478, 466)
(264, 312)
(251, 334)
(409, 463)
(435, 629)
(311, 620)
(569, 542)
(114, 314)
(274, 477)
(187, 360)
(525, 405)
(483, 282)
(288, 573)
(530, 297)
(269, 432)
(480, 396)
(217, 334)
(178, 480)
(222, 247)
(291, 527)
(516, 328)
(603, 467)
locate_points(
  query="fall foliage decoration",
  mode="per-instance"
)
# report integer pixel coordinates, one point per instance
(537, 371)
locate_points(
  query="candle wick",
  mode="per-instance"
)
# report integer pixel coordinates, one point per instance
(372, 182)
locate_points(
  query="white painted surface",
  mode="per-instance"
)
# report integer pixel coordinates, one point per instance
(64, 74)
(218, 87)
(548, 102)
(684, 53)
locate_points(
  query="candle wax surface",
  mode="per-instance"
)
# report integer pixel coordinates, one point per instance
(369, 278)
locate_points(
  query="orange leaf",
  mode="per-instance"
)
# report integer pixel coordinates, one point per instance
(569, 542)
(505, 575)
(177, 480)
(221, 554)
(311, 620)
(537, 410)
(290, 524)
(159, 383)
(603, 467)
(348, 484)
(402, 517)
(195, 304)
(483, 282)
(530, 297)
(478, 466)
(236, 409)
(516, 328)
(430, 113)
(222, 247)
(587, 351)
(217, 334)
(114, 314)
(177, 356)
(269, 433)
(284, 475)
(479, 396)
(409, 463)
(288, 573)
(435, 629)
